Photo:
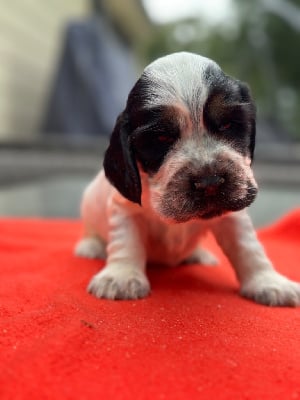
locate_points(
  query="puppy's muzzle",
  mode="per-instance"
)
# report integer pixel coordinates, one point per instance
(207, 191)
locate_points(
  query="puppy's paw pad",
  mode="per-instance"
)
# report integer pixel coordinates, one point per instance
(119, 286)
(90, 247)
(272, 289)
(202, 256)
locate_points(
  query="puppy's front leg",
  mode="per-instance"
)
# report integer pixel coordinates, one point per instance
(124, 274)
(255, 272)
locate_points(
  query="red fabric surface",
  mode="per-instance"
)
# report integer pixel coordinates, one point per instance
(193, 338)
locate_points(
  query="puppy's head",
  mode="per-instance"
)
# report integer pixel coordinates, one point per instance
(190, 129)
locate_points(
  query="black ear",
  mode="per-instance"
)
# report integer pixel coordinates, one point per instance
(245, 94)
(119, 162)
(252, 139)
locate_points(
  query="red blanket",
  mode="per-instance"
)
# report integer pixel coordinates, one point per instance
(193, 338)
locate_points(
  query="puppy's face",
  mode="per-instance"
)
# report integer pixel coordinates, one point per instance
(191, 130)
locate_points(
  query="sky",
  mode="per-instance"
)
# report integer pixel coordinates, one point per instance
(165, 11)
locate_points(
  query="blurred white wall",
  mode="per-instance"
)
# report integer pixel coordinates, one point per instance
(30, 40)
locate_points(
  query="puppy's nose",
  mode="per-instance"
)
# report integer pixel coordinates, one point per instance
(206, 182)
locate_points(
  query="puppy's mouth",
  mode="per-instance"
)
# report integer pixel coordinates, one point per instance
(209, 197)
(230, 206)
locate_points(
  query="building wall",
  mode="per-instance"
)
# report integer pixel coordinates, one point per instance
(30, 40)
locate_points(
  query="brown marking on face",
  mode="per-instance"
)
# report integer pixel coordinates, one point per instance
(217, 107)
(182, 117)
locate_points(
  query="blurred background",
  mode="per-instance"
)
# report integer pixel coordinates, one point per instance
(66, 69)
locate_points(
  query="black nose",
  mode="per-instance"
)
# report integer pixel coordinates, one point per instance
(206, 182)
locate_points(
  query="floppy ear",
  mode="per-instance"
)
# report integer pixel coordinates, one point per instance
(252, 139)
(119, 162)
(247, 98)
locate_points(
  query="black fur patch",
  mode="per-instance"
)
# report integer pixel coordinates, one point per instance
(120, 164)
(229, 113)
(153, 137)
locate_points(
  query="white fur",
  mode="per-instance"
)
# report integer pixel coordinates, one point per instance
(183, 71)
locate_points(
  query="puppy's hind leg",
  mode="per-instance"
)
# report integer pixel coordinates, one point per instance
(201, 256)
(91, 247)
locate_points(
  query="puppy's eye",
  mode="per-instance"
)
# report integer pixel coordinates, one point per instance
(225, 127)
(165, 139)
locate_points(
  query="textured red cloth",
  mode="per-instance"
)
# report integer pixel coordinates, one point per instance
(193, 338)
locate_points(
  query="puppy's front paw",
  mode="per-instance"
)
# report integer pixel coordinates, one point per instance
(272, 289)
(119, 283)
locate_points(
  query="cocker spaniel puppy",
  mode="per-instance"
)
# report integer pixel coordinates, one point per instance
(178, 165)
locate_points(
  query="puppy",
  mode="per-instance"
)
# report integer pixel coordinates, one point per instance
(178, 165)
